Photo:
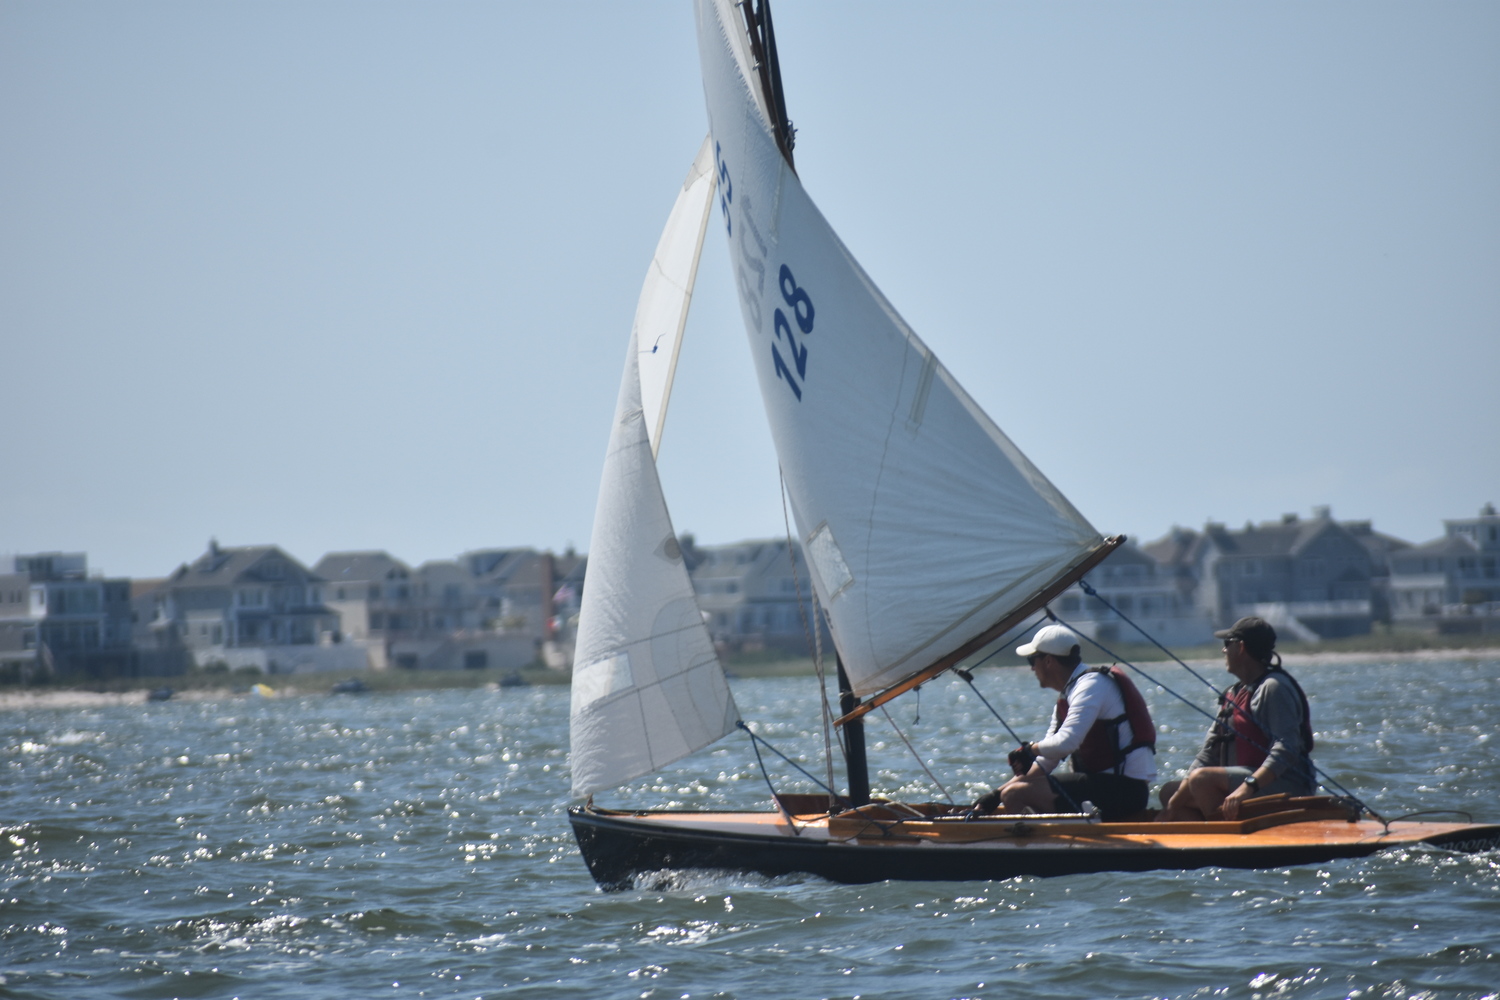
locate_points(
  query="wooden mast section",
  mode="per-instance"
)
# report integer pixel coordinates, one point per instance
(1029, 607)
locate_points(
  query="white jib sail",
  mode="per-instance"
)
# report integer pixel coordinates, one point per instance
(662, 310)
(647, 686)
(923, 523)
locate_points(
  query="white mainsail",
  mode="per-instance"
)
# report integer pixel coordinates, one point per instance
(647, 685)
(662, 309)
(923, 523)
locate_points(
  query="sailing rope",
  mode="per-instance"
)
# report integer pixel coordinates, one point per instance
(914, 753)
(967, 673)
(1327, 779)
(755, 745)
(1088, 589)
(816, 642)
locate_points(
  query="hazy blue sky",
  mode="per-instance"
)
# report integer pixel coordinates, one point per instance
(346, 275)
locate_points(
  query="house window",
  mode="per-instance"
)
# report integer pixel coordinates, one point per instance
(272, 570)
(476, 659)
(1250, 568)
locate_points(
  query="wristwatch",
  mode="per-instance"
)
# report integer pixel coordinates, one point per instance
(1254, 785)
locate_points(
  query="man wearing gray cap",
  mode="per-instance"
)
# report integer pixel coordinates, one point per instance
(1261, 742)
(1101, 722)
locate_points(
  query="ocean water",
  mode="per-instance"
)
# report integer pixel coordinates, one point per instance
(415, 845)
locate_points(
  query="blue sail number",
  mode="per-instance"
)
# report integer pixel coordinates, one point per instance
(800, 303)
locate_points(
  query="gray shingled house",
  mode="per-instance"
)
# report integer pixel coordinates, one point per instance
(249, 597)
(1309, 578)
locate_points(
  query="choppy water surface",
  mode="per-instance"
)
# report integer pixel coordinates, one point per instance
(416, 845)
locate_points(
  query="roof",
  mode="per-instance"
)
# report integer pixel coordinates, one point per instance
(1449, 545)
(1287, 537)
(444, 570)
(495, 563)
(222, 567)
(359, 567)
(742, 559)
(1176, 547)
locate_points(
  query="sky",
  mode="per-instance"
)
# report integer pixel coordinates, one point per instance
(341, 276)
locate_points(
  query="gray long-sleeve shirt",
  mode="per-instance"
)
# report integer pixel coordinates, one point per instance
(1277, 710)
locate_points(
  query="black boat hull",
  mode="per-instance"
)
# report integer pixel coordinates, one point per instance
(618, 848)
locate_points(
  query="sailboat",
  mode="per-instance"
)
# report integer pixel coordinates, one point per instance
(928, 535)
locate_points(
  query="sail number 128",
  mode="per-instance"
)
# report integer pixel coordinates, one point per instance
(801, 307)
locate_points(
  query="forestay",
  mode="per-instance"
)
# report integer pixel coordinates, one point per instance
(647, 686)
(924, 525)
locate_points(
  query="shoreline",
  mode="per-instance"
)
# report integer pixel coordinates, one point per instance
(76, 698)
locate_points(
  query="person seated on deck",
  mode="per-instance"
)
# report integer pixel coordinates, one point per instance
(1101, 721)
(1261, 742)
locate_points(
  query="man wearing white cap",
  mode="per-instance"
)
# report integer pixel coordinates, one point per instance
(1101, 721)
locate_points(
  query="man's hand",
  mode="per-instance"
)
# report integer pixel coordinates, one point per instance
(987, 803)
(1231, 806)
(1021, 759)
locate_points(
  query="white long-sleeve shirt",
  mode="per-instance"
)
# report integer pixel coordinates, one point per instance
(1091, 697)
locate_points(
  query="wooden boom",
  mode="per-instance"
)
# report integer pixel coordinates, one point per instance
(1033, 604)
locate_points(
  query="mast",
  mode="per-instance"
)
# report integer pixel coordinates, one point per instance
(768, 67)
(854, 739)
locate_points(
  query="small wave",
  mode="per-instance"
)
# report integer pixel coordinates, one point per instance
(716, 879)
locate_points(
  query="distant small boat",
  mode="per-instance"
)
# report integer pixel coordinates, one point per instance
(513, 680)
(160, 694)
(262, 690)
(352, 686)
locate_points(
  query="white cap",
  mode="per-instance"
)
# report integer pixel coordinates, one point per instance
(1058, 640)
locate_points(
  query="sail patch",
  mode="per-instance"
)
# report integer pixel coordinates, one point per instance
(602, 678)
(828, 562)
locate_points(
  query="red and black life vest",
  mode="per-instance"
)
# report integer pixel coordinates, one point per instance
(1251, 743)
(1100, 750)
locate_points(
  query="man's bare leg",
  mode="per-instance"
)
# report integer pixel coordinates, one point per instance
(1031, 793)
(1199, 797)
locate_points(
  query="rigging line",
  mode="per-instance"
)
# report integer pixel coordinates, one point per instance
(914, 753)
(967, 674)
(1119, 659)
(815, 640)
(760, 739)
(968, 677)
(1001, 646)
(1087, 588)
(1327, 779)
(767, 775)
(1052, 782)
